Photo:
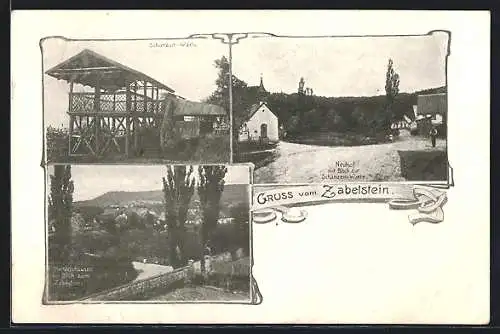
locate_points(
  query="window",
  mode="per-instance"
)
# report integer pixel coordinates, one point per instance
(189, 118)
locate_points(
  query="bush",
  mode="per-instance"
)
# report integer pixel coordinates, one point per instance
(89, 212)
(84, 275)
(57, 143)
(230, 237)
(212, 148)
(424, 165)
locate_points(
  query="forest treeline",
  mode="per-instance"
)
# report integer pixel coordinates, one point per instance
(302, 111)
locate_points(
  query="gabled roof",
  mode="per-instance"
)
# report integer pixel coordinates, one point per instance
(249, 113)
(191, 108)
(86, 66)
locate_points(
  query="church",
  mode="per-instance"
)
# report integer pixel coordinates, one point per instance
(258, 123)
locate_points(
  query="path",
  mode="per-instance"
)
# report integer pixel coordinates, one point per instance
(301, 163)
(146, 270)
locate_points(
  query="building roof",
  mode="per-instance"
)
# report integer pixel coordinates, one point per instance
(432, 104)
(191, 108)
(240, 119)
(85, 67)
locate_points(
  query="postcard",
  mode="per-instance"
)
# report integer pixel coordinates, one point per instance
(293, 167)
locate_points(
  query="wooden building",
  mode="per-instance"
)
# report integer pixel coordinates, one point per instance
(195, 119)
(108, 120)
(431, 111)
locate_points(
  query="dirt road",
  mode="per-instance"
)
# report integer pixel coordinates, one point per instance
(300, 163)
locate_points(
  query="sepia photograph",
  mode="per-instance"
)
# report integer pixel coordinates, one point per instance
(148, 233)
(340, 109)
(186, 163)
(138, 101)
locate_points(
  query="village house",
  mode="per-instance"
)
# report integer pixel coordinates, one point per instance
(258, 123)
(430, 111)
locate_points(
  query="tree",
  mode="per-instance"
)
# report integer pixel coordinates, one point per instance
(391, 91)
(178, 188)
(241, 234)
(359, 117)
(220, 96)
(60, 209)
(210, 188)
(169, 135)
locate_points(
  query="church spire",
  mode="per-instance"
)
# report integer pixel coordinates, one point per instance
(261, 91)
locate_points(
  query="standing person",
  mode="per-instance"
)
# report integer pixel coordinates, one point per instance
(433, 135)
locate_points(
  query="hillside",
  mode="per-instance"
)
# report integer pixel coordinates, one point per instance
(438, 90)
(233, 194)
(339, 114)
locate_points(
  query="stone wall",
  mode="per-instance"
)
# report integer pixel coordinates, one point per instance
(143, 289)
(149, 287)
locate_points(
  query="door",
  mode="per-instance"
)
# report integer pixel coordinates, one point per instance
(263, 131)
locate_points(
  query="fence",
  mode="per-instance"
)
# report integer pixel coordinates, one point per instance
(85, 102)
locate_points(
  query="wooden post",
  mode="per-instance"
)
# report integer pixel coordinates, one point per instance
(135, 96)
(71, 117)
(157, 100)
(145, 97)
(97, 109)
(128, 109)
(135, 122)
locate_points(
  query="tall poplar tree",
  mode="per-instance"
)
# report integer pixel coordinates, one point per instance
(210, 188)
(60, 210)
(178, 188)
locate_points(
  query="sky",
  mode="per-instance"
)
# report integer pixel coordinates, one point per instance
(94, 180)
(190, 71)
(342, 66)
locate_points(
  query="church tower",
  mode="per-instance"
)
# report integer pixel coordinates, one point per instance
(261, 91)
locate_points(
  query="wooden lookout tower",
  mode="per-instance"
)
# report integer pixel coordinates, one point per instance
(124, 102)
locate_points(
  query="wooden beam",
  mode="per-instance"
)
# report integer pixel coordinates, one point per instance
(135, 122)
(70, 134)
(157, 100)
(107, 114)
(128, 108)
(84, 69)
(135, 97)
(97, 109)
(70, 106)
(63, 75)
(148, 86)
(145, 98)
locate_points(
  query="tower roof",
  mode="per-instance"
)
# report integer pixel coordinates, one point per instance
(261, 91)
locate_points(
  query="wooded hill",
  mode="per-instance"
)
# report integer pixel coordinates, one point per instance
(340, 114)
(233, 193)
